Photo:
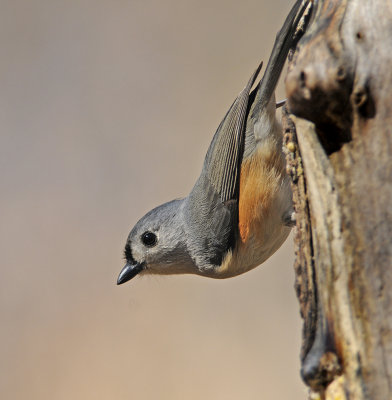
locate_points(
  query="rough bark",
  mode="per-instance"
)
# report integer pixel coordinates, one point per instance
(339, 148)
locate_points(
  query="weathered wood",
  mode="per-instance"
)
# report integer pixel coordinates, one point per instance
(339, 156)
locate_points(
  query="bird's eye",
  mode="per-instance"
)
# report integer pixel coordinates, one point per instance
(149, 239)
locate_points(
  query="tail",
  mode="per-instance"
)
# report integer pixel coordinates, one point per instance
(286, 38)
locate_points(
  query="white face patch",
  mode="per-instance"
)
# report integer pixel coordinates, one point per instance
(167, 257)
(138, 252)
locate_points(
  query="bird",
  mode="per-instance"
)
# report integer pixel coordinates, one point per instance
(239, 212)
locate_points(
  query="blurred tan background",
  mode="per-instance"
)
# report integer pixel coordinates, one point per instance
(106, 110)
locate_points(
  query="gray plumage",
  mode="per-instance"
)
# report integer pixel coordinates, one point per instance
(199, 234)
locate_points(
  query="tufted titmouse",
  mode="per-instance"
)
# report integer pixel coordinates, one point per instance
(239, 211)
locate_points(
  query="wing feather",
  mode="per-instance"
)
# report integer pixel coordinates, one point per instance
(223, 159)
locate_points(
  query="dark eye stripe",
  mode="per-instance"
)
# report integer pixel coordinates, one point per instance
(128, 255)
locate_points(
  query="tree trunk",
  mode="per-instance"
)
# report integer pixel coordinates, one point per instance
(339, 148)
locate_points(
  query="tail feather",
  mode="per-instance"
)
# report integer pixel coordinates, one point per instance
(286, 38)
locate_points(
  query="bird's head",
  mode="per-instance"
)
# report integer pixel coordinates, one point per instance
(157, 244)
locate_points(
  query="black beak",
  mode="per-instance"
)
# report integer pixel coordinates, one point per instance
(128, 272)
